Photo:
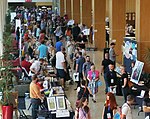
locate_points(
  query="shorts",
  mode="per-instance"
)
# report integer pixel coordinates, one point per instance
(61, 73)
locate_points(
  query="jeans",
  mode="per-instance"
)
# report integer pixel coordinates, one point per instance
(35, 107)
(106, 82)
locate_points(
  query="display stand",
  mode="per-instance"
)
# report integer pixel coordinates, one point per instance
(129, 52)
(58, 104)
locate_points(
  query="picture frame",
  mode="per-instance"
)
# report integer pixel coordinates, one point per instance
(136, 71)
(51, 102)
(60, 100)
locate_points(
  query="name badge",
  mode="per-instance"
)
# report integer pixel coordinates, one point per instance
(112, 80)
(108, 116)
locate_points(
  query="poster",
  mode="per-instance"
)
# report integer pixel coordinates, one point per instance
(136, 71)
(129, 49)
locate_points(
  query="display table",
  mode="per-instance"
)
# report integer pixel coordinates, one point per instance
(58, 105)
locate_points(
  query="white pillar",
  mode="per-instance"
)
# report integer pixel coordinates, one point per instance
(65, 6)
(1, 28)
(81, 17)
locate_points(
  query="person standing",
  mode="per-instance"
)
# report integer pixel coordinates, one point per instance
(93, 77)
(83, 111)
(61, 66)
(112, 54)
(35, 95)
(110, 106)
(124, 81)
(79, 64)
(104, 69)
(58, 32)
(43, 50)
(112, 79)
(59, 44)
(126, 108)
(75, 32)
(86, 67)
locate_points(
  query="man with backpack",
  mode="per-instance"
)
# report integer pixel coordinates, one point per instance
(126, 108)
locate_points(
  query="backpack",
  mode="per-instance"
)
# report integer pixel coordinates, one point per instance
(78, 100)
(118, 114)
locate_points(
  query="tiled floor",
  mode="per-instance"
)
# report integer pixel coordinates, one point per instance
(96, 108)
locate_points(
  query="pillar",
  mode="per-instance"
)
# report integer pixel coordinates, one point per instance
(143, 31)
(68, 8)
(117, 10)
(62, 8)
(76, 10)
(87, 12)
(98, 21)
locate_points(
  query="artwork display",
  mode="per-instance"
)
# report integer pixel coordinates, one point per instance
(51, 101)
(136, 71)
(60, 102)
(129, 52)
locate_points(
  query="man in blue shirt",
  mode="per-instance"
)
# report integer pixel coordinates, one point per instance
(79, 65)
(59, 44)
(43, 50)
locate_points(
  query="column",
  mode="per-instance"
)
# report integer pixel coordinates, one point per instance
(1, 29)
(143, 31)
(98, 21)
(68, 8)
(87, 12)
(81, 2)
(62, 8)
(76, 11)
(117, 10)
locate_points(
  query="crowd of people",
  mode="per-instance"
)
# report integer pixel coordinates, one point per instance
(47, 40)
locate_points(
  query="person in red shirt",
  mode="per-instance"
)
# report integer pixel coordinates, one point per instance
(26, 64)
(40, 84)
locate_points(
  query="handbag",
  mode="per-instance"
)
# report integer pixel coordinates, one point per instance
(75, 77)
(99, 83)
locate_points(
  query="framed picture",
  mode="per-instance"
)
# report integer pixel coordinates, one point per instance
(60, 102)
(51, 101)
(136, 71)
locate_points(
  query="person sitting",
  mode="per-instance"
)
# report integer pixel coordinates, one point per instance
(26, 64)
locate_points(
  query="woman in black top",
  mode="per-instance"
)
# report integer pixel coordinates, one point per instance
(124, 81)
(146, 105)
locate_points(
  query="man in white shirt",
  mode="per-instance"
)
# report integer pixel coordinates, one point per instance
(35, 68)
(60, 65)
(126, 108)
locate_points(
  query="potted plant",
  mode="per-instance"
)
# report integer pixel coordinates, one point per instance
(6, 77)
